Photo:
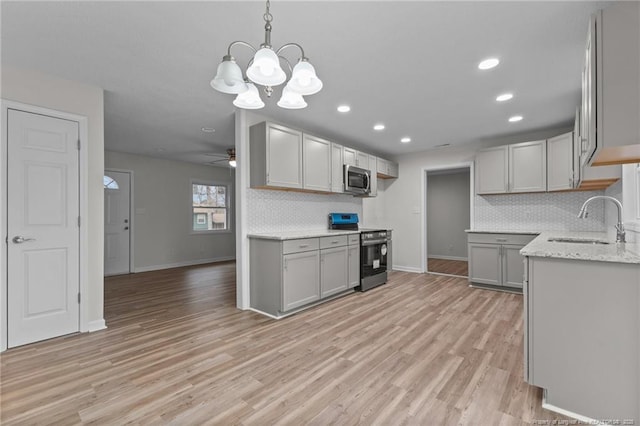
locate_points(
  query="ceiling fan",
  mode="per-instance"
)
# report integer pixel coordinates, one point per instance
(229, 157)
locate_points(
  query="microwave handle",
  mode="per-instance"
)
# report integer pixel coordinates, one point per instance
(368, 189)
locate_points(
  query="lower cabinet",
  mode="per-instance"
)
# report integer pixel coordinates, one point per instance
(495, 260)
(290, 274)
(300, 279)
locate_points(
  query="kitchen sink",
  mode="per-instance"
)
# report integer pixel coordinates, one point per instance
(577, 241)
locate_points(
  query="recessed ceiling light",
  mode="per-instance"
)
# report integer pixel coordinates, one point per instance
(378, 127)
(504, 97)
(405, 139)
(515, 118)
(488, 63)
(344, 108)
(208, 129)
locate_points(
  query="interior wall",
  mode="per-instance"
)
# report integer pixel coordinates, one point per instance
(34, 88)
(162, 235)
(448, 204)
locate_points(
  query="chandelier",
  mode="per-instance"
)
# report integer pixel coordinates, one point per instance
(264, 69)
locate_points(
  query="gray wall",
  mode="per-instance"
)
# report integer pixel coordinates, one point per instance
(162, 236)
(448, 214)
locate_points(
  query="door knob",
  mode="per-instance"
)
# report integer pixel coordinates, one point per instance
(20, 239)
(126, 228)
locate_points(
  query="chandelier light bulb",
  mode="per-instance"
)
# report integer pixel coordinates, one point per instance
(228, 77)
(304, 79)
(291, 99)
(249, 99)
(266, 70)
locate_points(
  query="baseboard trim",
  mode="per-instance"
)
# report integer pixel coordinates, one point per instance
(96, 325)
(551, 407)
(447, 275)
(407, 269)
(185, 263)
(437, 256)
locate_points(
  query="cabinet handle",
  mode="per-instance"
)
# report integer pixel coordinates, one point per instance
(303, 245)
(285, 264)
(504, 240)
(335, 242)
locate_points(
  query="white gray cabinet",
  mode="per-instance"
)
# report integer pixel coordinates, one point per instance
(492, 170)
(560, 158)
(289, 274)
(362, 160)
(275, 156)
(354, 260)
(316, 163)
(513, 168)
(300, 279)
(528, 167)
(337, 169)
(386, 169)
(573, 304)
(350, 156)
(373, 166)
(495, 260)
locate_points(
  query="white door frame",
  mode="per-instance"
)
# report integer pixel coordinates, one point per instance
(82, 121)
(423, 221)
(131, 211)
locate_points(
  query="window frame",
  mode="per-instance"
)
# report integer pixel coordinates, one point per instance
(229, 207)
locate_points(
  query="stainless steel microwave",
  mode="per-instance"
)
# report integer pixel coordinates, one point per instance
(357, 180)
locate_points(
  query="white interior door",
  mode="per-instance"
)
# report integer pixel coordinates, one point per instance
(43, 272)
(117, 199)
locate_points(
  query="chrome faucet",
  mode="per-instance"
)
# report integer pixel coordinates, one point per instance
(620, 234)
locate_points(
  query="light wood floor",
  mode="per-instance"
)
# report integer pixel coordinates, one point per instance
(421, 350)
(451, 267)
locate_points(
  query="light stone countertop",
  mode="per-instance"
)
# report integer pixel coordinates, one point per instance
(613, 252)
(295, 235)
(501, 231)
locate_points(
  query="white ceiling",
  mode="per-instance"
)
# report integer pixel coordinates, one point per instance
(411, 65)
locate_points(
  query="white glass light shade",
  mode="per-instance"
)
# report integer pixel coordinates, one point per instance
(232, 162)
(228, 78)
(291, 99)
(266, 70)
(304, 79)
(249, 99)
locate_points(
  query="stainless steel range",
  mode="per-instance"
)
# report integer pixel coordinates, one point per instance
(374, 249)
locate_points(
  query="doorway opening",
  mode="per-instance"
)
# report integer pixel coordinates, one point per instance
(448, 215)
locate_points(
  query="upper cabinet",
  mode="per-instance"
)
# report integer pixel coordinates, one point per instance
(528, 167)
(275, 156)
(610, 79)
(560, 163)
(285, 158)
(386, 169)
(316, 164)
(512, 168)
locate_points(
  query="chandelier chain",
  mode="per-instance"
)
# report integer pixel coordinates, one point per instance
(268, 17)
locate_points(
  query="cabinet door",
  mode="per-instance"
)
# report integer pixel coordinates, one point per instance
(393, 169)
(354, 265)
(350, 156)
(560, 162)
(512, 266)
(484, 263)
(284, 157)
(300, 279)
(334, 271)
(373, 166)
(316, 163)
(589, 87)
(337, 168)
(528, 167)
(362, 160)
(382, 166)
(492, 170)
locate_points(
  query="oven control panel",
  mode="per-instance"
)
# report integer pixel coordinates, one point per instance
(373, 235)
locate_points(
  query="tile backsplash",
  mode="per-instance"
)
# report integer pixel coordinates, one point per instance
(544, 211)
(277, 211)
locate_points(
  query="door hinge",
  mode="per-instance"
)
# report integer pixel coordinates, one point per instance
(78, 297)
(78, 221)
(78, 144)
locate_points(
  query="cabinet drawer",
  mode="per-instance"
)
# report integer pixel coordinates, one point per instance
(520, 239)
(353, 239)
(337, 241)
(297, 246)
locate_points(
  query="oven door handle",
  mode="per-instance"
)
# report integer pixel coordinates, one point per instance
(373, 242)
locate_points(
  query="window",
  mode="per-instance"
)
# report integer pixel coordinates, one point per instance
(109, 182)
(210, 207)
